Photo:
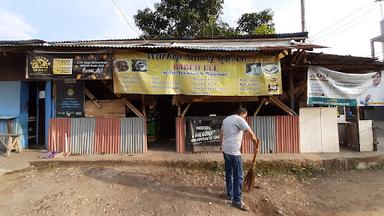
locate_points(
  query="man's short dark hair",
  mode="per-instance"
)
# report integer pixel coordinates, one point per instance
(240, 110)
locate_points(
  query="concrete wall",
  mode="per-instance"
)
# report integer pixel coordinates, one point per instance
(318, 130)
(10, 98)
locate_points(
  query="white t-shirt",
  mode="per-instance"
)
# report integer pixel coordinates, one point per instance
(233, 128)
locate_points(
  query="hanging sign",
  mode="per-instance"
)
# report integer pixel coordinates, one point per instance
(68, 66)
(220, 74)
(328, 87)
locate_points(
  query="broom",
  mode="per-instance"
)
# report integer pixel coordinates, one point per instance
(249, 179)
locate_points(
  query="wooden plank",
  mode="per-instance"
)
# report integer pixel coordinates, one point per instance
(131, 107)
(92, 97)
(125, 101)
(185, 110)
(182, 99)
(282, 106)
(143, 105)
(259, 107)
(107, 108)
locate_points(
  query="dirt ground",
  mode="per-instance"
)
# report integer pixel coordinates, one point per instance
(151, 190)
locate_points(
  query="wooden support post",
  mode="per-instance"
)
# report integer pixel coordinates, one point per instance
(186, 109)
(92, 97)
(131, 107)
(125, 101)
(143, 105)
(178, 110)
(282, 106)
(259, 107)
(291, 91)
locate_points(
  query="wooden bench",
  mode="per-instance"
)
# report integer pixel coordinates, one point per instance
(13, 143)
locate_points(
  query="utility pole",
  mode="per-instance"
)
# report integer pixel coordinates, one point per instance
(303, 29)
(379, 38)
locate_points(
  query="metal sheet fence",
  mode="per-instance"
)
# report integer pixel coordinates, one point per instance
(82, 138)
(287, 134)
(98, 135)
(278, 134)
(264, 128)
(133, 135)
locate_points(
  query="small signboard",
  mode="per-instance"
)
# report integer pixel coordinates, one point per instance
(203, 131)
(69, 66)
(70, 98)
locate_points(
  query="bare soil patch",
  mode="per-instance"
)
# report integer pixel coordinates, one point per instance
(154, 190)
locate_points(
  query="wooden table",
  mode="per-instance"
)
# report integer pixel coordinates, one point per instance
(13, 143)
(10, 138)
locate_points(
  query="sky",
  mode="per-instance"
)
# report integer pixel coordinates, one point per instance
(344, 26)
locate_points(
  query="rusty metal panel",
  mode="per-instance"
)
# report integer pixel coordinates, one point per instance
(133, 135)
(264, 129)
(59, 133)
(287, 134)
(107, 136)
(82, 135)
(180, 135)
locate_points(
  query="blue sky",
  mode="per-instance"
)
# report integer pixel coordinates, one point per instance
(344, 25)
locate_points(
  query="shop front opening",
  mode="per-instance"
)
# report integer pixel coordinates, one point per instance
(161, 126)
(36, 115)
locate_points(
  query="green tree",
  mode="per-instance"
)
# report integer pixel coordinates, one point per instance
(216, 28)
(178, 18)
(198, 18)
(263, 29)
(257, 23)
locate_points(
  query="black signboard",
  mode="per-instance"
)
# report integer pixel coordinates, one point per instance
(70, 98)
(69, 66)
(203, 130)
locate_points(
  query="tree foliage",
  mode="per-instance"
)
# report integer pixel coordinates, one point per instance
(198, 18)
(178, 18)
(255, 23)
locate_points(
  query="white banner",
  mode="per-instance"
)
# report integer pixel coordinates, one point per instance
(329, 87)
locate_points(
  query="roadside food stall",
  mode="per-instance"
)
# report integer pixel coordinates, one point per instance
(119, 96)
(208, 86)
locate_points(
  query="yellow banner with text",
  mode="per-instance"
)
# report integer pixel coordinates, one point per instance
(208, 73)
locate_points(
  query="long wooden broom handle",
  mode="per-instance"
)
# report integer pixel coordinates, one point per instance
(256, 151)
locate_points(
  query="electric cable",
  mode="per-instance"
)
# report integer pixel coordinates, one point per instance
(324, 32)
(126, 20)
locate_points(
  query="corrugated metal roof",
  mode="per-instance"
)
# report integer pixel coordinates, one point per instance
(347, 64)
(240, 43)
(296, 35)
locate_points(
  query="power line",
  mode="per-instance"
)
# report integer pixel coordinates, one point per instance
(346, 26)
(324, 30)
(126, 20)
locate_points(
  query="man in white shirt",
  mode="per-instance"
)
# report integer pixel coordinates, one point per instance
(231, 137)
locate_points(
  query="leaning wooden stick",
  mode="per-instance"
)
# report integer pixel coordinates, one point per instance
(249, 179)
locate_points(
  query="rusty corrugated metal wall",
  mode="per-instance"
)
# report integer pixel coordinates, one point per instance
(180, 135)
(287, 134)
(59, 132)
(98, 135)
(278, 134)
